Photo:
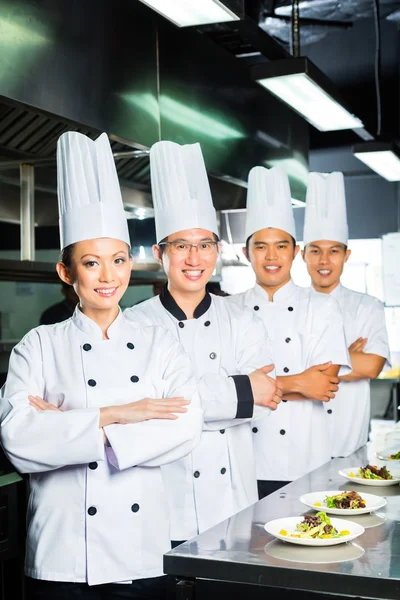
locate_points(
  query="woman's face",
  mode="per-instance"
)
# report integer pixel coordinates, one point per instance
(99, 273)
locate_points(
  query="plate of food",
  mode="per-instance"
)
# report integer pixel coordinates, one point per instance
(343, 503)
(370, 475)
(388, 455)
(314, 530)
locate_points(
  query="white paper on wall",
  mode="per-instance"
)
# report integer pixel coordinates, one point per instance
(391, 268)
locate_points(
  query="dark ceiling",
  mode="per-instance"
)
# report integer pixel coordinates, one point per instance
(340, 38)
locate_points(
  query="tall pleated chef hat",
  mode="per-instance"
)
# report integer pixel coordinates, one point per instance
(181, 192)
(269, 202)
(89, 196)
(325, 215)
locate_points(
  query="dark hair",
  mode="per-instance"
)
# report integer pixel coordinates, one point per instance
(162, 248)
(249, 238)
(66, 255)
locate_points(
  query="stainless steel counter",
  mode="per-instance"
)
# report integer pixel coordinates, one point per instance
(239, 550)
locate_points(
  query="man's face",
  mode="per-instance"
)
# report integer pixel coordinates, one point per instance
(188, 268)
(271, 254)
(325, 261)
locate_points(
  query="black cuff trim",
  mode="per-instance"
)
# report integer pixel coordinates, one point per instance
(245, 406)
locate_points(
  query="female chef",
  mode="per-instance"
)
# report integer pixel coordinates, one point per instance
(96, 514)
(227, 346)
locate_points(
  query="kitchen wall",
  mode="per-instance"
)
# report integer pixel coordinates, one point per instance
(119, 67)
(373, 204)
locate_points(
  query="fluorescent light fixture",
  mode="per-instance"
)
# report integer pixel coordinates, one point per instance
(186, 13)
(301, 85)
(382, 158)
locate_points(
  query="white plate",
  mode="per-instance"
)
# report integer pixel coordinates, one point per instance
(289, 524)
(385, 455)
(373, 503)
(374, 482)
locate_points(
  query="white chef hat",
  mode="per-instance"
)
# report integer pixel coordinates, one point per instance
(269, 202)
(181, 192)
(89, 196)
(325, 214)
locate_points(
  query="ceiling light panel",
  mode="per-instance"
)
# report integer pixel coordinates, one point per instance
(382, 158)
(187, 13)
(298, 83)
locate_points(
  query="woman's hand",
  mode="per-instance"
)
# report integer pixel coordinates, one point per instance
(40, 404)
(143, 410)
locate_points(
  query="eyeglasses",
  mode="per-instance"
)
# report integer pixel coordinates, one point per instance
(184, 248)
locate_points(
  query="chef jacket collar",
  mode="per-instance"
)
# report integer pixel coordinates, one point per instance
(171, 306)
(337, 291)
(92, 330)
(280, 295)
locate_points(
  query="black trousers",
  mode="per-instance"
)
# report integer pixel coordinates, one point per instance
(142, 589)
(265, 488)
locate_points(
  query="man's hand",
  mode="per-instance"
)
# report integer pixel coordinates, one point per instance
(316, 384)
(266, 390)
(358, 345)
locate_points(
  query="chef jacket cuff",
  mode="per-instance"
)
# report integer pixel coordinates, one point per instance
(245, 405)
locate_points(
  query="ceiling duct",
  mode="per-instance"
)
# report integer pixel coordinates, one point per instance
(319, 17)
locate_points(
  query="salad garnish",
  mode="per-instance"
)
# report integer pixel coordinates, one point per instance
(317, 526)
(395, 456)
(373, 472)
(348, 500)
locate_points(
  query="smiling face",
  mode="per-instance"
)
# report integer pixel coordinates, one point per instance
(99, 272)
(188, 269)
(325, 261)
(271, 254)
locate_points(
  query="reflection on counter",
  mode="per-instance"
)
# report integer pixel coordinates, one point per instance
(240, 551)
(332, 554)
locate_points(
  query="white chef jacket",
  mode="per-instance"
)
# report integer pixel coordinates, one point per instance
(363, 316)
(225, 344)
(304, 329)
(96, 513)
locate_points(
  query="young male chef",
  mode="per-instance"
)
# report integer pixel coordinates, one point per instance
(94, 405)
(306, 336)
(227, 346)
(325, 253)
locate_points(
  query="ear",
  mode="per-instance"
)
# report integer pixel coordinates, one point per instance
(157, 253)
(348, 252)
(303, 254)
(246, 254)
(296, 251)
(64, 273)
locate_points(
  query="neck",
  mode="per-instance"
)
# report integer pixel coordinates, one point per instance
(102, 318)
(325, 289)
(272, 289)
(187, 301)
